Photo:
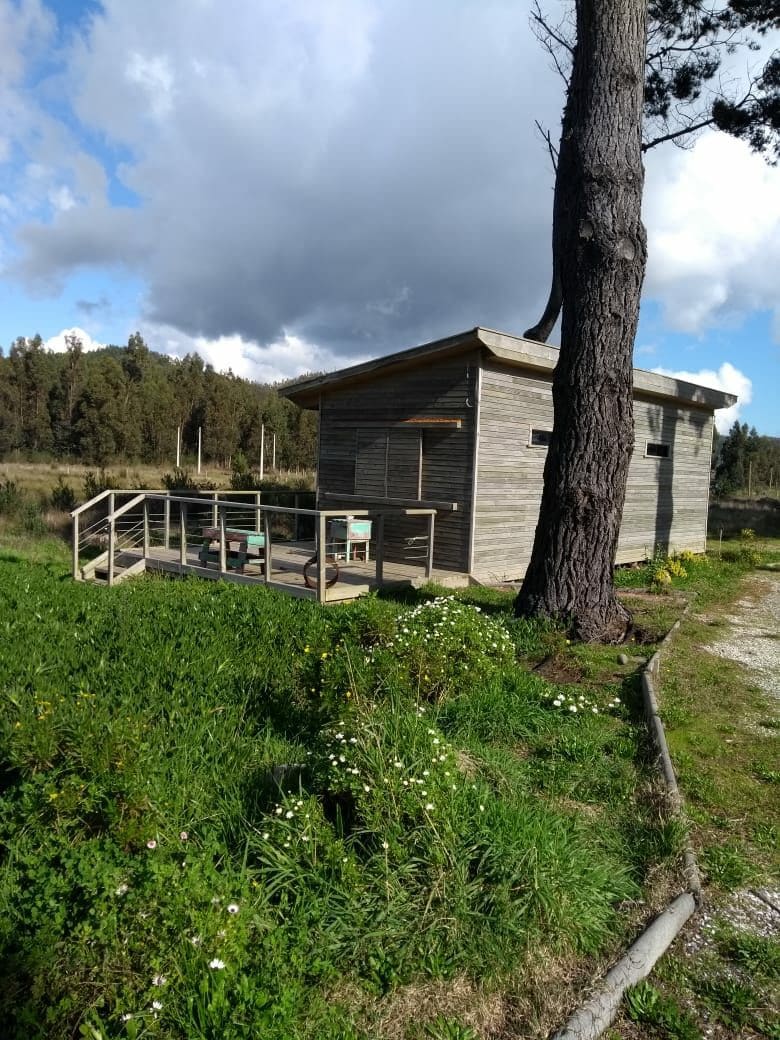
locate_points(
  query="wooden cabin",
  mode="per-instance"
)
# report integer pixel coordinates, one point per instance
(462, 425)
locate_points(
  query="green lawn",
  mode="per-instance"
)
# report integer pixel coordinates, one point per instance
(296, 817)
(226, 813)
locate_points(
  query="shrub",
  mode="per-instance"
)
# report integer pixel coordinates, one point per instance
(63, 497)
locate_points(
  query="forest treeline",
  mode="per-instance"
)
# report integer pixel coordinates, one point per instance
(745, 461)
(127, 403)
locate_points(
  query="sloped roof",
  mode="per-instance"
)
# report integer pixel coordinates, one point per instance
(514, 350)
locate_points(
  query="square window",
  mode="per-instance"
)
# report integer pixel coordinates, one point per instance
(657, 450)
(539, 438)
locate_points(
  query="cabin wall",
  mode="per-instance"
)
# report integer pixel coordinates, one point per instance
(362, 453)
(666, 498)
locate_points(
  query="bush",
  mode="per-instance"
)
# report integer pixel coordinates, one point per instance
(63, 497)
(11, 498)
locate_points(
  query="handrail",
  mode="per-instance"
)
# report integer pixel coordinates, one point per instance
(172, 493)
(127, 506)
(393, 510)
(116, 534)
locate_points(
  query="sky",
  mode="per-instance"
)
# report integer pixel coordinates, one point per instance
(288, 186)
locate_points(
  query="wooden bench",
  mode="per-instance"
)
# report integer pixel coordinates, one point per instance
(241, 547)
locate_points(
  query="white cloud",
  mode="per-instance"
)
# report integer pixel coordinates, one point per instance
(285, 358)
(62, 198)
(59, 346)
(727, 378)
(713, 217)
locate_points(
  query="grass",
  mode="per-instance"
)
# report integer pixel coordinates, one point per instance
(393, 818)
(267, 817)
(722, 732)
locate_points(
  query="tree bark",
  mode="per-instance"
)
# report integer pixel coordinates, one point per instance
(600, 252)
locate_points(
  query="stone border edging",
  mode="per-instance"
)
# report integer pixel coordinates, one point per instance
(592, 1018)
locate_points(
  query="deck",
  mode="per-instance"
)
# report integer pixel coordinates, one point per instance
(221, 539)
(356, 578)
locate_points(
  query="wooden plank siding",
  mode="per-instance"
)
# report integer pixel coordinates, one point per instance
(385, 462)
(666, 499)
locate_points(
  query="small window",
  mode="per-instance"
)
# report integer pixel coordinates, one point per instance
(540, 438)
(656, 450)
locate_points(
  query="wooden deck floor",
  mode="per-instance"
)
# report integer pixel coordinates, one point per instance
(288, 559)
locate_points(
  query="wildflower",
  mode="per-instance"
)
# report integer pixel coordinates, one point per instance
(482, 808)
(278, 810)
(385, 846)
(151, 844)
(196, 940)
(159, 980)
(572, 707)
(265, 835)
(157, 1005)
(232, 908)
(289, 814)
(216, 964)
(127, 1017)
(304, 837)
(429, 806)
(183, 835)
(215, 900)
(122, 889)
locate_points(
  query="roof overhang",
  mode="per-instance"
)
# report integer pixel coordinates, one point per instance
(514, 350)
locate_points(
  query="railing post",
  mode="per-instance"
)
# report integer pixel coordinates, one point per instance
(214, 517)
(429, 561)
(76, 575)
(321, 550)
(267, 568)
(222, 542)
(297, 521)
(146, 528)
(380, 548)
(259, 522)
(183, 534)
(111, 547)
(167, 521)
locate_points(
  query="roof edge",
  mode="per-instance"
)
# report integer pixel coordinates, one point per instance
(515, 350)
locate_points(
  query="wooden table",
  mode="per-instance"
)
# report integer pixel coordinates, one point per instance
(241, 547)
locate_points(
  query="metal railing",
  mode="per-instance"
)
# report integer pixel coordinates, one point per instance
(166, 520)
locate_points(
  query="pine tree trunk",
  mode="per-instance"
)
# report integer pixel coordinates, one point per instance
(600, 248)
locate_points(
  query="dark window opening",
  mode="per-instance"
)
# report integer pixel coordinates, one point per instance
(656, 450)
(540, 438)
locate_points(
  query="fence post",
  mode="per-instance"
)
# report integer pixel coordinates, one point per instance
(182, 534)
(111, 547)
(429, 561)
(380, 548)
(267, 566)
(76, 547)
(167, 521)
(321, 550)
(297, 520)
(258, 518)
(222, 543)
(146, 528)
(214, 519)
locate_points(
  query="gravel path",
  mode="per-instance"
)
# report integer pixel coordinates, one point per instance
(753, 638)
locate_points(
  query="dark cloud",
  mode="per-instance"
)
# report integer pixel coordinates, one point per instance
(362, 175)
(92, 307)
